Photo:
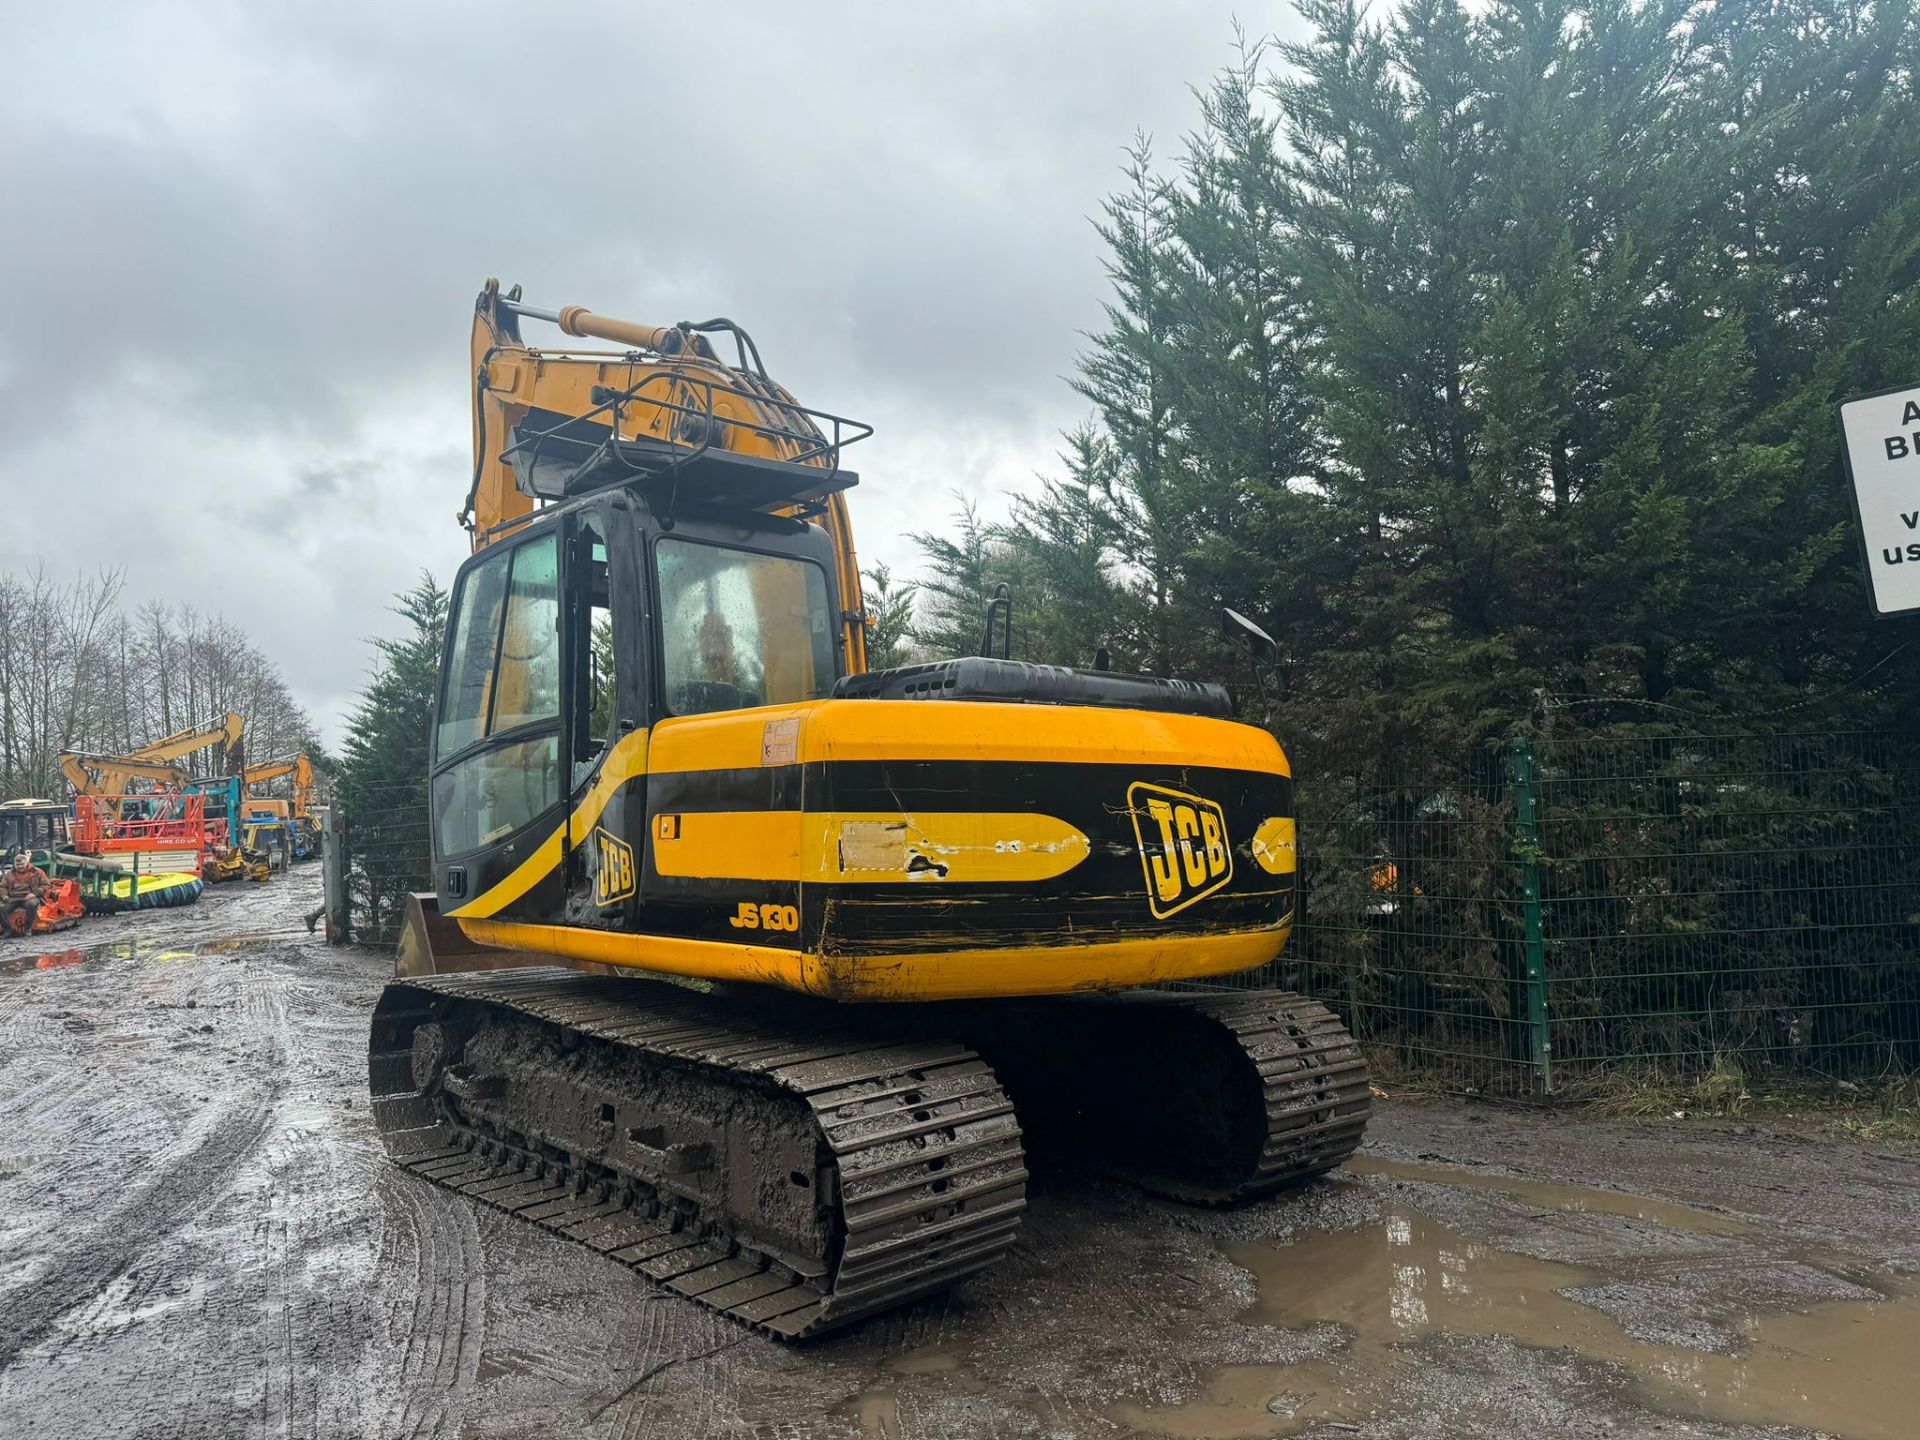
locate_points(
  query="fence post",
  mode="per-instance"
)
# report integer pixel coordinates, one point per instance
(333, 862)
(1527, 850)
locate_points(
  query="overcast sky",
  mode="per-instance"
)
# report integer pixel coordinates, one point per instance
(242, 244)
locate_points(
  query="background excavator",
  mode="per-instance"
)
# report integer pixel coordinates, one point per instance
(296, 809)
(763, 973)
(158, 760)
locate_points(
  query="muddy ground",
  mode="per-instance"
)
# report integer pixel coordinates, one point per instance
(199, 1237)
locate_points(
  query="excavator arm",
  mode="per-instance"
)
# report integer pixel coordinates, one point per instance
(297, 767)
(108, 774)
(551, 423)
(228, 732)
(157, 760)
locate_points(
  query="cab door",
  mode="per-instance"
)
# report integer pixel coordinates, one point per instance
(604, 644)
(498, 783)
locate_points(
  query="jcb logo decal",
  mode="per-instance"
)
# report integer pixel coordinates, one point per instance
(1183, 845)
(613, 878)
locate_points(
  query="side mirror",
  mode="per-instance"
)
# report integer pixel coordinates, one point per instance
(1260, 647)
(1240, 630)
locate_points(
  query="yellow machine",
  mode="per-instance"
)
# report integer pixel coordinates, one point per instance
(158, 760)
(297, 768)
(298, 809)
(657, 751)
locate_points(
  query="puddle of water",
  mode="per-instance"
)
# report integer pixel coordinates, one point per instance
(877, 1413)
(152, 950)
(876, 1410)
(1577, 1198)
(43, 960)
(927, 1360)
(1846, 1368)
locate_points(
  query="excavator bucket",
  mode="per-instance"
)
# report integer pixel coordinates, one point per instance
(431, 944)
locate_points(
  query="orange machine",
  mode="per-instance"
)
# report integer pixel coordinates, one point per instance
(60, 909)
(155, 832)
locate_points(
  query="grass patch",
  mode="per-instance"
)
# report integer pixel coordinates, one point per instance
(1883, 1113)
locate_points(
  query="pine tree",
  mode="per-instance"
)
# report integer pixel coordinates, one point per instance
(963, 573)
(1488, 358)
(1124, 373)
(1059, 547)
(382, 785)
(890, 607)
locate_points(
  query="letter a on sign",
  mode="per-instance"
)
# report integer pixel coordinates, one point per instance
(1882, 434)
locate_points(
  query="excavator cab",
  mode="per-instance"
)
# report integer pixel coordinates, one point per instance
(40, 827)
(568, 643)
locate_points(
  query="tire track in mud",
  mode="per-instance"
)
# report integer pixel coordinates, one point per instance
(111, 1248)
(441, 1327)
(188, 1182)
(306, 1338)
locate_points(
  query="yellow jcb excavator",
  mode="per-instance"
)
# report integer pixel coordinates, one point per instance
(157, 760)
(298, 808)
(296, 768)
(763, 973)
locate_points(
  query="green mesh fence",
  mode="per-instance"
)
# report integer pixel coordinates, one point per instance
(387, 856)
(1735, 896)
(1520, 920)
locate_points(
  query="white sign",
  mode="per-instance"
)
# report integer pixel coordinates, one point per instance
(1883, 461)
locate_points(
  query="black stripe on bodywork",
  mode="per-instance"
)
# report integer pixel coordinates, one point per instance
(1104, 897)
(704, 909)
(759, 787)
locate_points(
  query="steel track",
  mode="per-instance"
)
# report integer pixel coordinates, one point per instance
(1314, 1089)
(922, 1145)
(1207, 1098)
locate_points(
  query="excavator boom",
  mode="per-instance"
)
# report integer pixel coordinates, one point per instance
(227, 732)
(157, 760)
(552, 423)
(91, 774)
(297, 767)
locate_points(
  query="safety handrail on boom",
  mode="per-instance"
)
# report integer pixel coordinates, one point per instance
(667, 411)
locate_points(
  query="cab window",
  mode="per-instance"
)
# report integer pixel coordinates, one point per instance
(595, 694)
(503, 679)
(488, 796)
(476, 633)
(528, 687)
(740, 629)
(503, 668)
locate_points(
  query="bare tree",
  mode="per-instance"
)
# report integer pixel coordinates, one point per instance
(79, 672)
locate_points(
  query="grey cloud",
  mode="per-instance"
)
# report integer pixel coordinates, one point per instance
(244, 240)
